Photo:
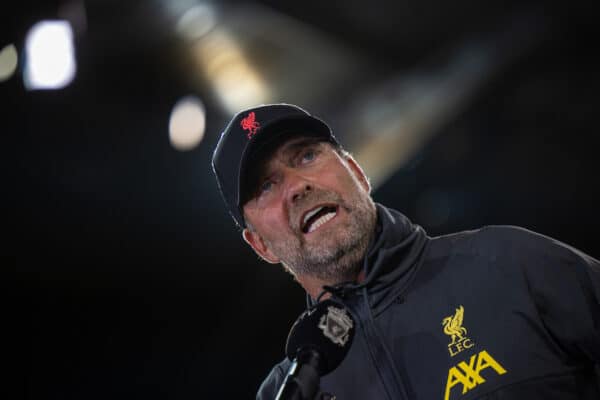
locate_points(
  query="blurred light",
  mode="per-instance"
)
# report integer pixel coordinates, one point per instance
(176, 8)
(8, 62)
(50, 59)
(187, 123)
(197, 21)
(236, 83)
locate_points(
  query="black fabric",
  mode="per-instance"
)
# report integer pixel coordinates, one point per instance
(529, 313)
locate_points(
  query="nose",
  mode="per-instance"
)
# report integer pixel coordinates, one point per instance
(297, 186)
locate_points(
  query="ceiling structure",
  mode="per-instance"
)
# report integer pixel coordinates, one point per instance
(127, 275)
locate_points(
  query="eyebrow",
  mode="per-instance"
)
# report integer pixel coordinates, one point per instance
(298, 145)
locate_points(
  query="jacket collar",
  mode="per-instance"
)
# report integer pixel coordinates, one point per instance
(392, 259)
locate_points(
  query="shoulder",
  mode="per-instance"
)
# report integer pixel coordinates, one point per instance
(497, 233)
(524, 241)
(505, 239)
(510, 243)
(269, 387)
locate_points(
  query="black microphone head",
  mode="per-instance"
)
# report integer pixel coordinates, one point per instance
(327, 329)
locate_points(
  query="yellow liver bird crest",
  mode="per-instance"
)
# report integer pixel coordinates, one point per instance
(453, 325)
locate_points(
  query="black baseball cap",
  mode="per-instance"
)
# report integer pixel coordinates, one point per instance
(250, 132)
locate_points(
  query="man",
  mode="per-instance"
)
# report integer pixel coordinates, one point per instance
(495, 313)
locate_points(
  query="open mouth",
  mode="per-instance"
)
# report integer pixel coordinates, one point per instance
(314, 218)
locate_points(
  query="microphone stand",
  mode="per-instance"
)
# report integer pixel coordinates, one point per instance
(302, 379)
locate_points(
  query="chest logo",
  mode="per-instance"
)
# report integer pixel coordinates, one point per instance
(458, 333)
(250, 124)
(468, 375)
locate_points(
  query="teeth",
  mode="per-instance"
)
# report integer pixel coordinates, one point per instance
(310, 214)
(321, 221)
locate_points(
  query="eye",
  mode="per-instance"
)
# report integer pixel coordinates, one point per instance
(266, 186)
(308, 156)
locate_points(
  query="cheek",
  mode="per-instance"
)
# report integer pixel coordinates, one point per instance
(343, 181)
(268, 221)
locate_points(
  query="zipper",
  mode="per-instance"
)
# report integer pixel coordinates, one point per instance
(381, 357)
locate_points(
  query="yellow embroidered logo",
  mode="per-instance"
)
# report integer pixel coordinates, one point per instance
(469, 375)
(453, 328)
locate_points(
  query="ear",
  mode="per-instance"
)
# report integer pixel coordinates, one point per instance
(359, 173)
(258, 245)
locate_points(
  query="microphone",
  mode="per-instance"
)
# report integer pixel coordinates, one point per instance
(317, 343)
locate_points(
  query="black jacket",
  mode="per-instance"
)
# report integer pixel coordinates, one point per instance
(495, 313)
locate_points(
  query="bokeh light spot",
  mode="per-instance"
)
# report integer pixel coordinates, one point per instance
(50, 55)
(187, 123)
(8, 62)
(197, 21)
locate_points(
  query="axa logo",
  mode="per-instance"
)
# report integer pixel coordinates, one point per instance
(468, 375)
(453, 327)
(250, 124)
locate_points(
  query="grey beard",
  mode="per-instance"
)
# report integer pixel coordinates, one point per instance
(340, 265)
(341, 261)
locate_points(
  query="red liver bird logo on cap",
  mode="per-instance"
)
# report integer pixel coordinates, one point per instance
(250, 124)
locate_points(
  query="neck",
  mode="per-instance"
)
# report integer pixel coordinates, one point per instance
(314, 286)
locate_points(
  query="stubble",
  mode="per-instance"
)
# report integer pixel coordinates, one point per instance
(338, 253)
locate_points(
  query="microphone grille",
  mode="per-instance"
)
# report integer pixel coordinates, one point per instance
(328, 328)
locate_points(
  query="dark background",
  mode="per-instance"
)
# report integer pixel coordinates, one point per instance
(126, 278)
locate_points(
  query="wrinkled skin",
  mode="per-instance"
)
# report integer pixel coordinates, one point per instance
(300, 175)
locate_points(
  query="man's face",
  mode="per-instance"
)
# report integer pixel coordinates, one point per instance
(311, 210)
